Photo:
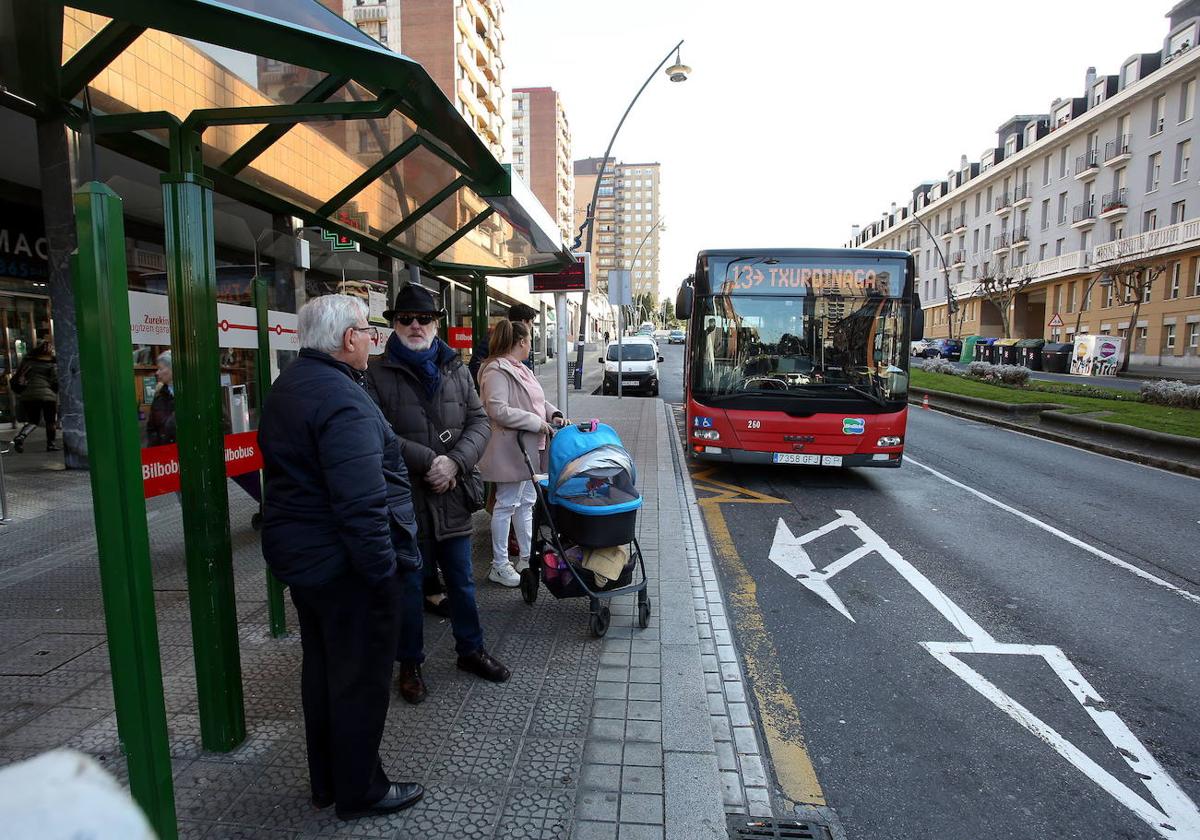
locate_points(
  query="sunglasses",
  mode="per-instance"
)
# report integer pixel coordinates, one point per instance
(423, 320)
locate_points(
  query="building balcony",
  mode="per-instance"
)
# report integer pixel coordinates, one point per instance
(1003, 205)
(1115, 203)
(947, 234)
(1020, 237)
(365, 13)
(958, 258)
(1087, 163)
(913, 242)
(959, 225)
(1001, 244)
(1022, 195)
(1152, 243)
(1084, 214)
(1117, 150)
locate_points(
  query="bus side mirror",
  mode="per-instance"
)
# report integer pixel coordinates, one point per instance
(683, 303)
(918, 318)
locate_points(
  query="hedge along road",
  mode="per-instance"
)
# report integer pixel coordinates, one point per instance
(1019, 660)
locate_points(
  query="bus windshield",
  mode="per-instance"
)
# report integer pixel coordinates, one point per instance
(807, 345)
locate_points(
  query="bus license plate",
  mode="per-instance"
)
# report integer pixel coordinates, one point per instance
(831, 460)
(630, 382)
(795, 458)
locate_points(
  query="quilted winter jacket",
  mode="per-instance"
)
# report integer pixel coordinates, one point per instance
(337, 492)
(399, 392)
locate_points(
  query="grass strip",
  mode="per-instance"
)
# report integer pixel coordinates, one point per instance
(1157, 418)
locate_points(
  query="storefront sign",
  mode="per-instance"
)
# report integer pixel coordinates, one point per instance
(460, 338)
(24, 249)
(160, 464)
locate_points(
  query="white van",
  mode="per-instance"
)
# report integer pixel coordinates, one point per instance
(638, 366)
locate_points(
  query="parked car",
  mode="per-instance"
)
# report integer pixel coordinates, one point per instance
(676, 337)
(917, 347)
(638, 366)
(659, 335)
(945, 348)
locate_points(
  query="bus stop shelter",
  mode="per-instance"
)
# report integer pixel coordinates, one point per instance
(316, 121)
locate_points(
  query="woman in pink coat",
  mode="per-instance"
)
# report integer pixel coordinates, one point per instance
(516, 404)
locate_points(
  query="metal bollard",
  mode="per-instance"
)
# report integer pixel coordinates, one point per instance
(3, 489)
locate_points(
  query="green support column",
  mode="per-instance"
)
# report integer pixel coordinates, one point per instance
(191, 282)
(262, 375)
(479, 309)
(119, 507)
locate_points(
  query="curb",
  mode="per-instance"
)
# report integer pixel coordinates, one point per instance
(1057, 437)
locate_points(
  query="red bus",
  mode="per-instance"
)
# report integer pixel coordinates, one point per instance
(799, 356)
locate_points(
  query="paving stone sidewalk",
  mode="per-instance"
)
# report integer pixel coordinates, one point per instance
(641, 734)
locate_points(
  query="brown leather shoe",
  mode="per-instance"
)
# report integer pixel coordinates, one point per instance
(483, 664)
(410, 685)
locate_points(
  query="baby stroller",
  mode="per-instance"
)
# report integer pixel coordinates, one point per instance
(586, 513)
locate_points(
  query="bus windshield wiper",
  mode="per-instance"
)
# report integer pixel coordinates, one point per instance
(871, 395)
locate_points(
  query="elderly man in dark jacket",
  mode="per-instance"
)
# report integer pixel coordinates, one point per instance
(338, 523)
(427, 395)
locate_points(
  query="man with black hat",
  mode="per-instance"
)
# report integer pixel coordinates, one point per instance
(427, 395)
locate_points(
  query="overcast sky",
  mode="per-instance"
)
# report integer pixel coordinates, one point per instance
(803, 119)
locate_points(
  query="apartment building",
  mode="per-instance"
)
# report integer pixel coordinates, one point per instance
(541, 152)
(1103, 182)
(627, 219)
(459, 42)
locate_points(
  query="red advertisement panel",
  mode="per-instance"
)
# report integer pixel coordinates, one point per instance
(160, 464)
(461, 338)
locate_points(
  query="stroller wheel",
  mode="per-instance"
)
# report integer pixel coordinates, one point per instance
(598, 622)
(529, 585)
(643, 610)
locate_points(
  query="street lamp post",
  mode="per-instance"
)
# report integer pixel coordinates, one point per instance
(677, 72)
(621, 309)
(950, 305)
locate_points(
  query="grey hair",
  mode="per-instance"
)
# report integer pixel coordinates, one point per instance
(164, 359)
(323, 321)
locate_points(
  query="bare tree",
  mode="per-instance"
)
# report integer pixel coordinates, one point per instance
(1131, 282)
(959, 310)
(1001, 287)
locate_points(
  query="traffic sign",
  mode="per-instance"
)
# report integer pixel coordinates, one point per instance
(1056, 321)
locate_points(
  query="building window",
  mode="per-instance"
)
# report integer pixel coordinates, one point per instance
(1158, 109)
(1062, 208)
(1058, 247)
(1087, 298)
(1042, 251)
(1153, 172)
(1149, 221)
(1062, 161)
(977, 200)
(1173, 288)
(1045, 213)
(1129, 74)
(1147, 289)
(1116, 231)
(1194, 336)
(1187, 100)
(1183, 160)
(1108, 297)
(1046, 170)
(1178, 212)
(975, 242)
(1071, 296)
(1196, 279)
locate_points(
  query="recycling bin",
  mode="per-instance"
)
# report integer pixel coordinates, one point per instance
(1006, 353)
(1029, 352)
(983, 349)
(1056, 357)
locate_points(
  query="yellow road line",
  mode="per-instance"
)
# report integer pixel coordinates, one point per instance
(780, 717)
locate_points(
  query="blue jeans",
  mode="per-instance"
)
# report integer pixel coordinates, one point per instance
(453, 557)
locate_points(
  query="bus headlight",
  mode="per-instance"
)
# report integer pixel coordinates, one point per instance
(889, 441)
(706, 434)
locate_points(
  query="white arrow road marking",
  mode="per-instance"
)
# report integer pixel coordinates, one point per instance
(789, 554)
(1178, 817)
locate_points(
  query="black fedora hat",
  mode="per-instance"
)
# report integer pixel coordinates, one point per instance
(415, 299)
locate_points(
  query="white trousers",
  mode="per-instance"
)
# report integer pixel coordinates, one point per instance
(514, 503)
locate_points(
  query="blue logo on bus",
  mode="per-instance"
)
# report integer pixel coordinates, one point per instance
(702, 422)
(853, 425)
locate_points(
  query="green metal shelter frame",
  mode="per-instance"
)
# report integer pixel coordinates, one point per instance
(352, 79)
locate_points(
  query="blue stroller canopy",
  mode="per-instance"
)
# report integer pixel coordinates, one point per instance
(591, 472)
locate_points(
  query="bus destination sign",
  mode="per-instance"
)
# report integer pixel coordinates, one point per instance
(759, 277)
